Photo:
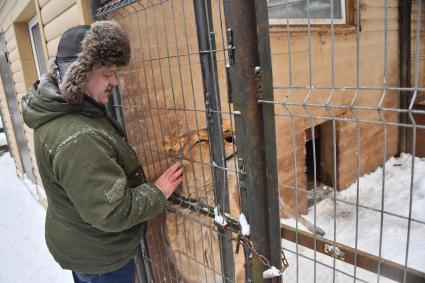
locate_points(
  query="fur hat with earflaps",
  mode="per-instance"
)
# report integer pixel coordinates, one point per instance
(83, 48)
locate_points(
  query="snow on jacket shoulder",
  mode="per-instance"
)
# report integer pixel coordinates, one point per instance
(98, 199)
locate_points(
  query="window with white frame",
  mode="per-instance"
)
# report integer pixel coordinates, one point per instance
(303, 12)
(37, 47)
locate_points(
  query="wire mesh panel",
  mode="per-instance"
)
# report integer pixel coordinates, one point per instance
(337, 87)
(175, 106)
(338, 122)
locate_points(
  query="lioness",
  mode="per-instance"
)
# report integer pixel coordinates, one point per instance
(194, 244)
(192, 238)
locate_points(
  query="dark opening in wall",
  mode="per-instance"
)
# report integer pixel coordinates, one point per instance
(319, 162)
(312, 156)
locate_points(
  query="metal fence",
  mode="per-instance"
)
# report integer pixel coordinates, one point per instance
(305, 117)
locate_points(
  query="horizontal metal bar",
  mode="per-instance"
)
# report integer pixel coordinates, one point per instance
(137, 62)
(194, 205)
(109, 7)
(359, 108)
(352, 120)
(347, 254)
(235, 113)
(419, 89)
(350, 107)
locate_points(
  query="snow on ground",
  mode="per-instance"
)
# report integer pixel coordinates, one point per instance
(24, 256)
(397, 194)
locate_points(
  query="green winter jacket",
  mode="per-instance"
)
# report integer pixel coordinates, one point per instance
(98, 199)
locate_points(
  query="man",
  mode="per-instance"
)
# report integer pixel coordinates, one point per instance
(98, 198)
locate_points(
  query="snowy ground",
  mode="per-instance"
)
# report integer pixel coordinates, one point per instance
(397, 187)
(24, 256)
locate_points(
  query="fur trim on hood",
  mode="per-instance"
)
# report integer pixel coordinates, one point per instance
(104, 44)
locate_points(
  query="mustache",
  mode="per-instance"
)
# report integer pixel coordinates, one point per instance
(109, 88)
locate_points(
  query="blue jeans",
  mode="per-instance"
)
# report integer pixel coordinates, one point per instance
(125, 274)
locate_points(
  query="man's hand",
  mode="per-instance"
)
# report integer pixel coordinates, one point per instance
(170, 179)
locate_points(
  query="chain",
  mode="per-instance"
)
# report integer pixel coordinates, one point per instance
(247, 243)
(232, 225)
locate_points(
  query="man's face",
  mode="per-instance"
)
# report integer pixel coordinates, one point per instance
(100, 82)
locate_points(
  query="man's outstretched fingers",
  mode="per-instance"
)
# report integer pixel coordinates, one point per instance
(178, 173)
(170, 179)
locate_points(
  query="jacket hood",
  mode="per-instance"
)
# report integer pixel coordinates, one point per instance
(44, 103)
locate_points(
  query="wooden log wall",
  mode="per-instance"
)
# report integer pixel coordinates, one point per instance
(343, 57)
(54, 18)
(11, 17)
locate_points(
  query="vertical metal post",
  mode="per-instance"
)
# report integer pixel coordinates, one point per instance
(207, 51)
(405, 11)
(251, 80)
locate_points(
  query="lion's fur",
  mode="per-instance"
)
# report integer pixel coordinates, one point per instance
(194, 244)
(192, 239)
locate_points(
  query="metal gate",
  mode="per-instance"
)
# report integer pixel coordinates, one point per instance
(333, 132)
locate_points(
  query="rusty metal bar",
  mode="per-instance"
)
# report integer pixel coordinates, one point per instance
(207, 53)
(250, 75)
(269, 130)
(344, 253)
(353, 256)
(204, 209)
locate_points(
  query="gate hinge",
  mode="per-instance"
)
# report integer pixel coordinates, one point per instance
(258, 85)
(241, 174)
(230, 47)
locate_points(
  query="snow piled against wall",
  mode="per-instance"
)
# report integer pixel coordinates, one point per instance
(393, 184)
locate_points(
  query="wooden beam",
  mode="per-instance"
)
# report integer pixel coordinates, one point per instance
(84, 10)
(43, 37)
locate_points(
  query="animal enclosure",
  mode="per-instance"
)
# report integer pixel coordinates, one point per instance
(278, 111)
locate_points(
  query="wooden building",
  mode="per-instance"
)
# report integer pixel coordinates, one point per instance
(30, 31)
(29, 35)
